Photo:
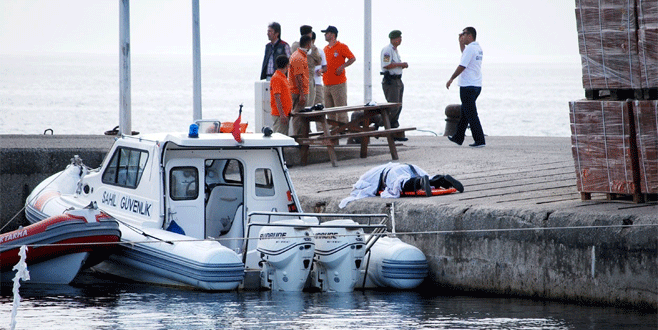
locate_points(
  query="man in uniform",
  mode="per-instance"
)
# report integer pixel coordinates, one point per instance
(392, 84)
(273, 49)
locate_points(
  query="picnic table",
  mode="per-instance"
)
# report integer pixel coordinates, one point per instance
(359, 128)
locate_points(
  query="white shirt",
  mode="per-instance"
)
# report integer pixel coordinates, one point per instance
(390, 55)
(318, 78)
(472, 61)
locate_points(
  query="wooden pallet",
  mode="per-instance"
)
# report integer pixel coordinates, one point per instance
(622, 94)
(635, 198)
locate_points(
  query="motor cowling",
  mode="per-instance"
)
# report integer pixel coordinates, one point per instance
(286, 255)
(339, 252)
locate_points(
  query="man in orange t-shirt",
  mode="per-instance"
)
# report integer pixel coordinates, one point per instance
(339, 57)
(298, 79)
(280, 98)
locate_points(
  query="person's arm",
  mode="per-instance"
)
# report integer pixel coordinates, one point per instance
(299, 82)
(279, 106)
(403, 65)
(341, 68)
(457, 72)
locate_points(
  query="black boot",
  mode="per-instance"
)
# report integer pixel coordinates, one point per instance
(446, 182)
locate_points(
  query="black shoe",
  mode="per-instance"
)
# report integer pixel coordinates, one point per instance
(425, 184)
(454, 183)
(453, 140)
(400, 139)
(477, 145)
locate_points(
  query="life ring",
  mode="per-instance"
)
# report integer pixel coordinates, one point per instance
(435, 192)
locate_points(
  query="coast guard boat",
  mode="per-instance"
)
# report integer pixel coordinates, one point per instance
(205, 211)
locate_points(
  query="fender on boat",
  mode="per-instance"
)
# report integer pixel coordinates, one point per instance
(394, 264)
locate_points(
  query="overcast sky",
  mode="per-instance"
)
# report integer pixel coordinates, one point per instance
(507, 30)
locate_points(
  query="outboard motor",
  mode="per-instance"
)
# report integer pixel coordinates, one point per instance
(286, 255)
(339, 252)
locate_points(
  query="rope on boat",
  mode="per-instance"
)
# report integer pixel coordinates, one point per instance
(430, 232)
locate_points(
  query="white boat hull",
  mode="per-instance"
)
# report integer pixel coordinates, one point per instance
(166, 258)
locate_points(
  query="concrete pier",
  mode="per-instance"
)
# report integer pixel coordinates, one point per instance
(519, 228)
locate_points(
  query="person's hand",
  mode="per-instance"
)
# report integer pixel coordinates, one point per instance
(448, 84)
(404, 65)
(339, 70)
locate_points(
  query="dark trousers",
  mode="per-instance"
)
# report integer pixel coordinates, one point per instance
(469, 115)
(393, 91)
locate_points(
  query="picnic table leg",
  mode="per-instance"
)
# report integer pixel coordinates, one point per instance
(365, 140)
(389, 137)
(306, 130)
(330, 143)
(304, 153)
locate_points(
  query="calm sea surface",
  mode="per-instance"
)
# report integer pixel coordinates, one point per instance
(106, 305)
(79, 94)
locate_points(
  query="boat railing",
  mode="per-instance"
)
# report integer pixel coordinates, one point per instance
(377, 228)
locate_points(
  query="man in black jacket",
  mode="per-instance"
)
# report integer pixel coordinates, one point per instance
(274, 48)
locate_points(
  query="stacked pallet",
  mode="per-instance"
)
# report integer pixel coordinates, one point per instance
(614, 138)
(601, 147)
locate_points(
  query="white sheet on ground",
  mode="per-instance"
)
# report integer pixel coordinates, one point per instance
(395, 176)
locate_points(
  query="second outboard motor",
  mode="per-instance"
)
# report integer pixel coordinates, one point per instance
(339, 252)
(286, 255)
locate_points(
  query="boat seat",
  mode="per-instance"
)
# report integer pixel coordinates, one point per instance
(223, 202)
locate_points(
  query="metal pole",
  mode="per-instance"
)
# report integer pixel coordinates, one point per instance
(124, 68)
(196, 54)
(367, 44)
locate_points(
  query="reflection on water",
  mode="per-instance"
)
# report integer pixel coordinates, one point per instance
(108, 305)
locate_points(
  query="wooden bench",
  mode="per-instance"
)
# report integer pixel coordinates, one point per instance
(355, 128)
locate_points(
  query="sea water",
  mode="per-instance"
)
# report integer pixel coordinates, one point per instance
(79, 93)
(125, 305)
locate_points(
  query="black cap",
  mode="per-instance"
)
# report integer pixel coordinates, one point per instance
(331, 29)
(305, 29)
(395, 34)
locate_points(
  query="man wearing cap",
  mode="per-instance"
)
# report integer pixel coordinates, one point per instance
(313, 57)
(338, 57)
(273, 49)
(392, 84)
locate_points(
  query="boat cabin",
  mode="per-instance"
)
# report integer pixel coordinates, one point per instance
(201, 187)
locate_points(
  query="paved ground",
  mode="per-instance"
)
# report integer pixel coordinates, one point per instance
(510, 172)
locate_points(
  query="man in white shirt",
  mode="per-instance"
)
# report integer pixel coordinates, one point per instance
(470, 85)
